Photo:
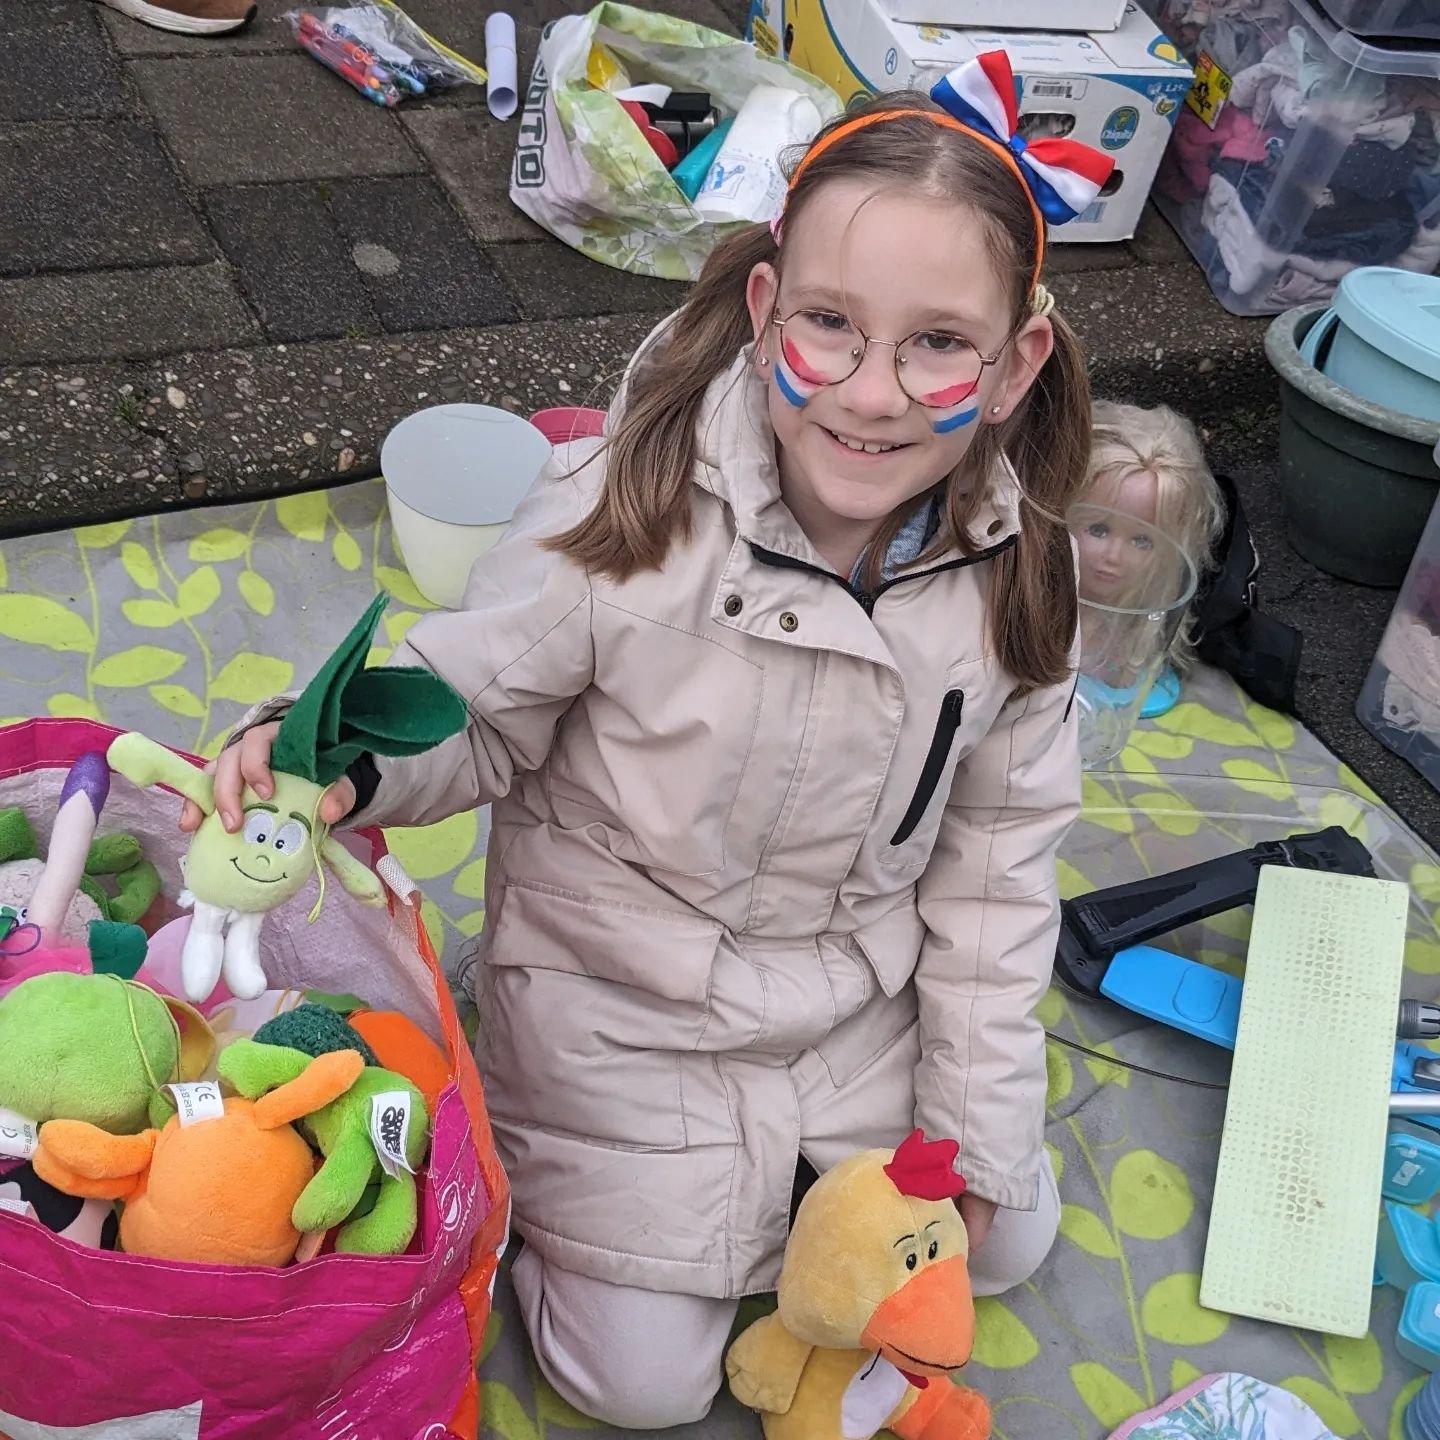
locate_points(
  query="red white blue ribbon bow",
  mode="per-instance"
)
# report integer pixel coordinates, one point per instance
(1064, 176)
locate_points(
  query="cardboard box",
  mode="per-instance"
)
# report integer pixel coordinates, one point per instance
(1119, 92)
(1082, 15)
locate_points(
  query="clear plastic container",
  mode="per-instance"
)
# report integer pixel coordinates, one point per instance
(1136, 584)
(1302, 153)
(1400, 701)
(1387, 19)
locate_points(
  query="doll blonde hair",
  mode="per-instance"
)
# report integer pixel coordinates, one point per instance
(1129, 440)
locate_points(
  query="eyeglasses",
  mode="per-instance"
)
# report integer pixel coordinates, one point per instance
(933, 367)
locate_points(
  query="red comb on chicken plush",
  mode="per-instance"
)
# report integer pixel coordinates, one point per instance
(926, 1168)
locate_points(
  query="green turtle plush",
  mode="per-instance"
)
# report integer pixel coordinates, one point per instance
(117, 858)
(378, 1129)
(95, 1048)
(234, 880)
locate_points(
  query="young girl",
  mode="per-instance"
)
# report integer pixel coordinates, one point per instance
(771, 695)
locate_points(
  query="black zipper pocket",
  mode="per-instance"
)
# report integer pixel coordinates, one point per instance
(951, 708)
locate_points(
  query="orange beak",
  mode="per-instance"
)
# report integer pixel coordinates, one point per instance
(927, 1327)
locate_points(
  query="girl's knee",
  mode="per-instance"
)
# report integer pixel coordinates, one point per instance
(633, 1359)
(1018, 1242)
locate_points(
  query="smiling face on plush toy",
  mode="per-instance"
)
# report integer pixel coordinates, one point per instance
(878, 1260)
(267, 860)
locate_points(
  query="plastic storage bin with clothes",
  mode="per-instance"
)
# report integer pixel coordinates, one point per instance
(1302, 153)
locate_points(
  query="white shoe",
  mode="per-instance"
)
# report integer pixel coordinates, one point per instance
(189, 17)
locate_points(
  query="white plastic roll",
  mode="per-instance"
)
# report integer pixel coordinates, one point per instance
(500, 67)
(746, 182)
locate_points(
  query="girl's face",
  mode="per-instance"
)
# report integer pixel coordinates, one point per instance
(858, 260)
(1115, 553)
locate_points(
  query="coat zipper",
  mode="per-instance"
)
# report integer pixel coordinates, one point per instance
(866, 598)
(951, 709)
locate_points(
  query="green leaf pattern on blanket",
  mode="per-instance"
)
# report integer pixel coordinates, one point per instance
(175, 625)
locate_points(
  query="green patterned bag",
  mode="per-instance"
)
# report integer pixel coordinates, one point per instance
(582, 168)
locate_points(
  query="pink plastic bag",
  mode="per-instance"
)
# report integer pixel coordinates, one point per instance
(95, 1344)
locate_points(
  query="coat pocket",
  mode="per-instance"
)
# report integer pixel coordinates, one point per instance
(947, 726)
(587, 1014)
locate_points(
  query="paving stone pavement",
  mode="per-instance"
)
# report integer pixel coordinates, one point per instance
(194, 215)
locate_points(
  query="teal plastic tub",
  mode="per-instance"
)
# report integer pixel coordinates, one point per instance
(1381, 339)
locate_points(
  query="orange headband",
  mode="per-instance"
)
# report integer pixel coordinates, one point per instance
(863, 122)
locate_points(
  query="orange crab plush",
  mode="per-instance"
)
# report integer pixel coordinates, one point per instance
(875, 1309)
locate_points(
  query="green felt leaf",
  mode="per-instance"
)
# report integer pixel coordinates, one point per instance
(140, 665)
(39, 620)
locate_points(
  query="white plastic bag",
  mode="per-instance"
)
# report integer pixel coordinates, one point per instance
(584, 171)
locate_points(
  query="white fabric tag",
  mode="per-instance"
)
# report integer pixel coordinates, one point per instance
(390, 1129)
(871, 1398)
(19, 1137)
(197, 1100)
(17, 1207)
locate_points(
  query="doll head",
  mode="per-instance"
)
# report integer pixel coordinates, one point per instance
(1148, 465)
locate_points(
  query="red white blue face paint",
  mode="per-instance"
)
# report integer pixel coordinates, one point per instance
(943, 399)
(801, 382)
(955, 422)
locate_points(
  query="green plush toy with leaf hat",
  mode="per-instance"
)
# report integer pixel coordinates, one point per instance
(234, 880)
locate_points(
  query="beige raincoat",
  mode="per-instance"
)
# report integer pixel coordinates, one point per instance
(740, 813)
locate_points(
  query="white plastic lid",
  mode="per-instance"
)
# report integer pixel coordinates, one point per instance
(1396, 312)
(463, 464)
(1373, 59)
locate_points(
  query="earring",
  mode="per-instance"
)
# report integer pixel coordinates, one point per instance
(764, 361)
(994, 409)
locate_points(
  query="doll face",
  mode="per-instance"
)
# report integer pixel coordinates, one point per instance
(1117, 548)
(267, 860)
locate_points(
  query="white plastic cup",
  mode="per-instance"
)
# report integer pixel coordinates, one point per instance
(453, 477)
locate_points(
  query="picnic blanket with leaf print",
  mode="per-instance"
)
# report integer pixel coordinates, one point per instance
(174, 625)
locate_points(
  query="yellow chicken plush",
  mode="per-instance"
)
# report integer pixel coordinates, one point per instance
(875, 1310)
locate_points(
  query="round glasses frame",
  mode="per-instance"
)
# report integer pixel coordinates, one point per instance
(859, 353)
